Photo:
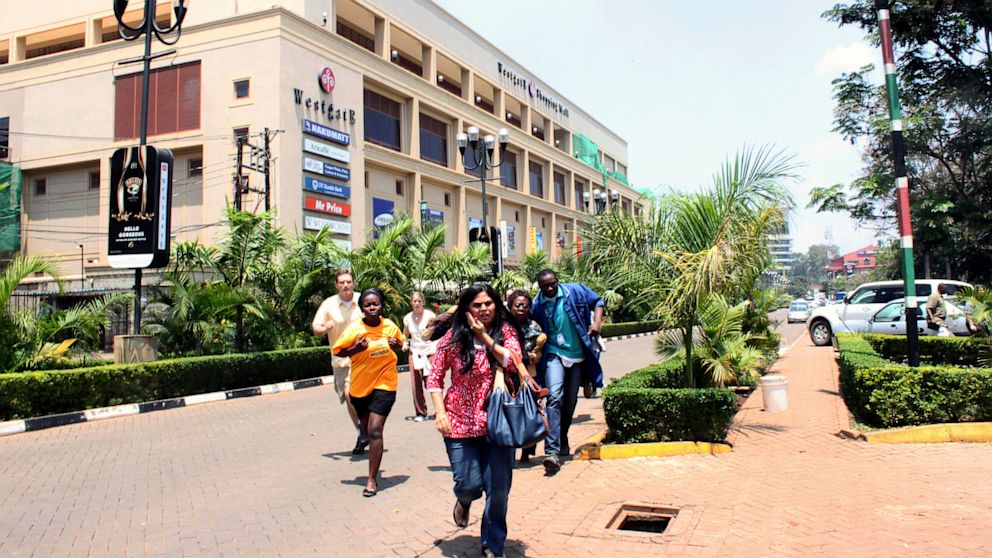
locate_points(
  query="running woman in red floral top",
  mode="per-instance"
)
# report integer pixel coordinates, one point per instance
(482, 336)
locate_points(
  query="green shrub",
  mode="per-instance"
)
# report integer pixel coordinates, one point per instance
(630, 328)
(961, 351)
(885, 394)
(647, 406)
(31, 394)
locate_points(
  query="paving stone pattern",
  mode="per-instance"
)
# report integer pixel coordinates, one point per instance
(273, 476)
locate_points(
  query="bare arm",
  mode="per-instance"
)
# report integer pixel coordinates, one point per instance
(322, 321)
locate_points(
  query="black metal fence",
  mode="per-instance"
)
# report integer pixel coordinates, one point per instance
(41, 303)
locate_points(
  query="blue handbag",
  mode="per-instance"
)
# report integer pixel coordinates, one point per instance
(516, 419)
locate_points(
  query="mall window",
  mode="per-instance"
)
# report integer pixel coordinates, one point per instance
(536, 180)
(508, 170)
(626, 207)
(241, 88)
(447, 199)
(174, 101)
(578, 201)
(382, 120)
(356, 36)
(471, 162)
(449, 86)
(433, 140)
(195, 168)
(399, 187)
(559, 180)
(241, 134)
(95, 180)
(408, 64)
(40, 187)
(5, 137)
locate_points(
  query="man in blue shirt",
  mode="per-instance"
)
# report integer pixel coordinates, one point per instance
(571, 315)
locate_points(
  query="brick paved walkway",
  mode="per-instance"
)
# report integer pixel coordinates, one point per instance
(273, 476)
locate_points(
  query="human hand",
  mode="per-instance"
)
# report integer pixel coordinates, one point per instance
(329, 325)
(395, 343)
(499, 382)
(594, 330)
(474, 324)
(442, 423)
(406, 347)
(361, 343)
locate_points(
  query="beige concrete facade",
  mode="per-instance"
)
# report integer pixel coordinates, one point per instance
(61, 105)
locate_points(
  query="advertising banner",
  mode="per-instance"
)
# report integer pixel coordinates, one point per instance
(325, 206)
(321, 131)
(10, 208)
(312, 223)
(327, 188)
(140, 207)
(324, 150)
(326, 169)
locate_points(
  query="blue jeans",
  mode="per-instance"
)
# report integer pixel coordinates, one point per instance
(478, 467)
(563, 385)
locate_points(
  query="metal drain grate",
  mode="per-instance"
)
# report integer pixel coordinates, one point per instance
(644, 519)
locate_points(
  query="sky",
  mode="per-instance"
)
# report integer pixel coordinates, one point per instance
(688, 84)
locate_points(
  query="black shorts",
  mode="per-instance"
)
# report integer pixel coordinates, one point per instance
(379, 402)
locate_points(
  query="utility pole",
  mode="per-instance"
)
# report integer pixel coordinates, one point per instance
(268, 167)
(239, 178)
(902, 183)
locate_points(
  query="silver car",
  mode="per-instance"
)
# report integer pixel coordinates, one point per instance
(798, 311)
(891, 319)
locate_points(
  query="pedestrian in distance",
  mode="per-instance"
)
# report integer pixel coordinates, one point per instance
(333, 316)
(370, 343)
(481, 342)
(534, 338)
(571, 315)
(420, 348)
(937, 311)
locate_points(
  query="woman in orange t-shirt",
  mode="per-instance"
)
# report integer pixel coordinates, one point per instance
(369, 343)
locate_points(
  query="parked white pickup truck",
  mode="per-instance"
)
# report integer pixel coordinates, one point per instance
(852, 314)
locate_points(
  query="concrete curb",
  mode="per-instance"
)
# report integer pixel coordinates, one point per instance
(593, 448)
(51, 421)
(631, 336)
(932, 434)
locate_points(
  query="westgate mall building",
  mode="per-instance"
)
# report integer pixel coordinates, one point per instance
(364, 99)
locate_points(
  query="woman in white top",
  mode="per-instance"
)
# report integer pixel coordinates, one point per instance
(420, 349)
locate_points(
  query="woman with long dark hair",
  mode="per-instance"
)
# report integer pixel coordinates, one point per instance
(369, 343)
(483, 337)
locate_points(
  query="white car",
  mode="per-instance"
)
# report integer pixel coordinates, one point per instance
(891, 319)
(852, 313)
(798, 311)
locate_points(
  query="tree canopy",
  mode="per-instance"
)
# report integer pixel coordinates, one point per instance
(942, 51)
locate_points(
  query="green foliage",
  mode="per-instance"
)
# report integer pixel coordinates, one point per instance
(956, 351)
(29, 340)
(945, 88)
(697, 244)
(643, 406)
(31, 394)
(885, 394)
(724, 352)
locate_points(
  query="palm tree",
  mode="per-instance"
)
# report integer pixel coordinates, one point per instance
(723, 350)
(696, 244)
(29, 340)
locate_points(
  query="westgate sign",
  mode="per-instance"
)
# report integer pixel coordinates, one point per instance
(531, 88)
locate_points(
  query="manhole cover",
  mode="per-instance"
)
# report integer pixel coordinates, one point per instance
(642, 518)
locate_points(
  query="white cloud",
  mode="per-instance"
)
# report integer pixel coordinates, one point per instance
(847, 57)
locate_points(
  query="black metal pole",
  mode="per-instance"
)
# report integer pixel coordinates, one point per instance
(145, 75)
(240, 175)
(485, 206)
(267, 169)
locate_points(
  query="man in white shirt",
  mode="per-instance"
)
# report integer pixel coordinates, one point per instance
(335, 314)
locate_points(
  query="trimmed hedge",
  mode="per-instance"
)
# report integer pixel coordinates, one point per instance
(646, 406)
(961, 351)
(31, 394)
(886, 394)
(629, 328)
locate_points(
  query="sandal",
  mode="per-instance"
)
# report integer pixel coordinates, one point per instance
(460, 515)
(369, 492)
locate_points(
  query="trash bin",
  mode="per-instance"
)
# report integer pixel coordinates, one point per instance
(774, 393)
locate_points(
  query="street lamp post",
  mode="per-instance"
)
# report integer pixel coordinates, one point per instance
(148, 27)
(483, 158)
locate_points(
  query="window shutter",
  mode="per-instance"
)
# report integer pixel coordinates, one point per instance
(124, 109)
(189, 96)
(166, 100)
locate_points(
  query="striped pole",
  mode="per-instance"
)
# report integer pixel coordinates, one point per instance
(902, 184)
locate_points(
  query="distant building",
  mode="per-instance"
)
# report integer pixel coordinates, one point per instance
(780, 246)
(851, 263)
